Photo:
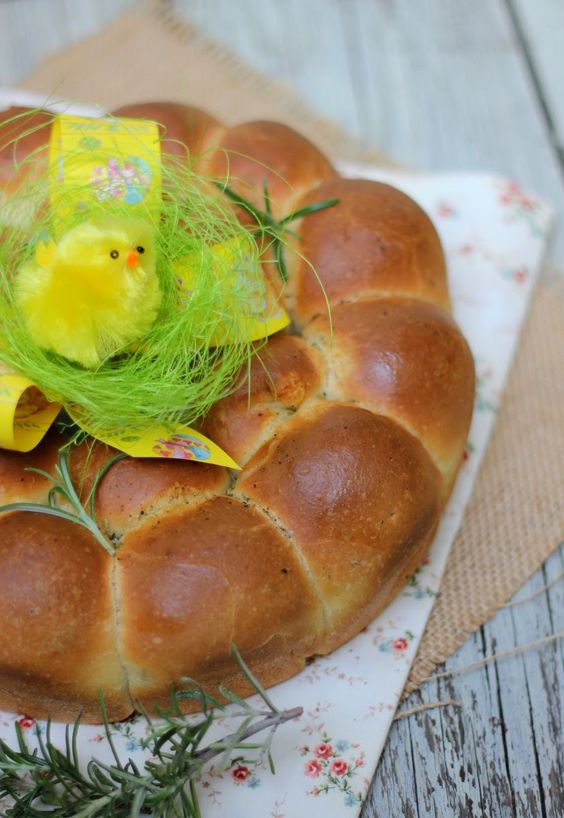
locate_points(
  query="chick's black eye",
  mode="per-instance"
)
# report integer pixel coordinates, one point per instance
(114, 254)
(140, 249)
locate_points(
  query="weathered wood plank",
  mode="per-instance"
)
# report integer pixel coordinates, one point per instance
(459, 769)
(437, 85)
(541, 25)
(531, 699)
(509, 680)
(545, 688)
(500, 754)
(290, 41)
(31, 29)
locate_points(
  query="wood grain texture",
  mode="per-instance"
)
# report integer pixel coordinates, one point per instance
(31, 29)
(500, 753)
(541, 27)
(439, 84)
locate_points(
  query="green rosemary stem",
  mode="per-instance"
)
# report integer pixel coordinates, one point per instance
(276, 229)
(93, 807)
(64, 487)
(50, 781)
(308, 210)
(274, 719)
(249, 675)
(195, 802)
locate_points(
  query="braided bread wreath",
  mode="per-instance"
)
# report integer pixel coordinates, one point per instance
(349, 446)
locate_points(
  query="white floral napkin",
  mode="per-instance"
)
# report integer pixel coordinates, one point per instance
(494, 234)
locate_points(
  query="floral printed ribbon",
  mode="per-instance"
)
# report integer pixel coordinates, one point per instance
(82, 167)
(103, 160)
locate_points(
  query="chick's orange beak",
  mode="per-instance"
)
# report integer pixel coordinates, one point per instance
(132, 259)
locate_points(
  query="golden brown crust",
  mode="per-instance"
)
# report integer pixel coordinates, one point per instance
(349, 439)
(202, 578)
(283, 375)
(250, 155)
(181, 126)
(136, 489)
(354, 492)
(16, 482)
(376, 241)
(22, 133)
(57, 615)
(377, 351)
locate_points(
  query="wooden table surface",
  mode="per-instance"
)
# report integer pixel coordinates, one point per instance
(438, 85)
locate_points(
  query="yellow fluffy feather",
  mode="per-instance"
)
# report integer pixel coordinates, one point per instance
(92, 293)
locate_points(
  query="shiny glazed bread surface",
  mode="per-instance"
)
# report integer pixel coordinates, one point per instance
(349, 435)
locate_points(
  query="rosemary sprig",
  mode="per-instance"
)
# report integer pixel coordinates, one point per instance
(64, 489)
(49, 781)
(275, 229)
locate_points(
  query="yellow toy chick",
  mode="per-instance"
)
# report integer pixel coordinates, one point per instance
(92, 293)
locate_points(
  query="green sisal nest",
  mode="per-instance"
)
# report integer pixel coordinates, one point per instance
(179, 368)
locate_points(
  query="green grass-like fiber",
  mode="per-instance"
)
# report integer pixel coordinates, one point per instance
(175, 373)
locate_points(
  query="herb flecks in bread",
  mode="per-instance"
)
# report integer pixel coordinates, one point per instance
(349, 439)
(63, 499)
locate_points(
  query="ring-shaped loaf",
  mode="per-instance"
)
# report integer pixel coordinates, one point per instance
(350, 443)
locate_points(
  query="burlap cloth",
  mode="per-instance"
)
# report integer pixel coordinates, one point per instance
(515, 518)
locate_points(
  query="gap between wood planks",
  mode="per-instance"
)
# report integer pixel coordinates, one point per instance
(536, 82)
(458, 671)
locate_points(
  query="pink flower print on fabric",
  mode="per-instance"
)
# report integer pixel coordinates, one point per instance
(338, 767)
(26, 722)
(323, 751)
(241, 774)
(397, 645)
(313, 768)
(519, 205)
(518, 274)
(445, 210)
(333, 771)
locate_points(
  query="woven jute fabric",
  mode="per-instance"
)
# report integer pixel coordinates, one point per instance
(516, 515)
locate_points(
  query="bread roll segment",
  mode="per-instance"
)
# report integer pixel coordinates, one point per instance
(404, 358)
(58, 636)
(376, 242)
(205, 577)
(257, 155)
(355, 492)
(283, 375)
(349, 434)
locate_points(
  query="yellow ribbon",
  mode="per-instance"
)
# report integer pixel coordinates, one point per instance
(93, 161)
(265, 314)
(25, 413)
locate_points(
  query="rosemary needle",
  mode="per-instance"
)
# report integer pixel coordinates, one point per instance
(267, 225)
(48, 781)
(63, 487)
